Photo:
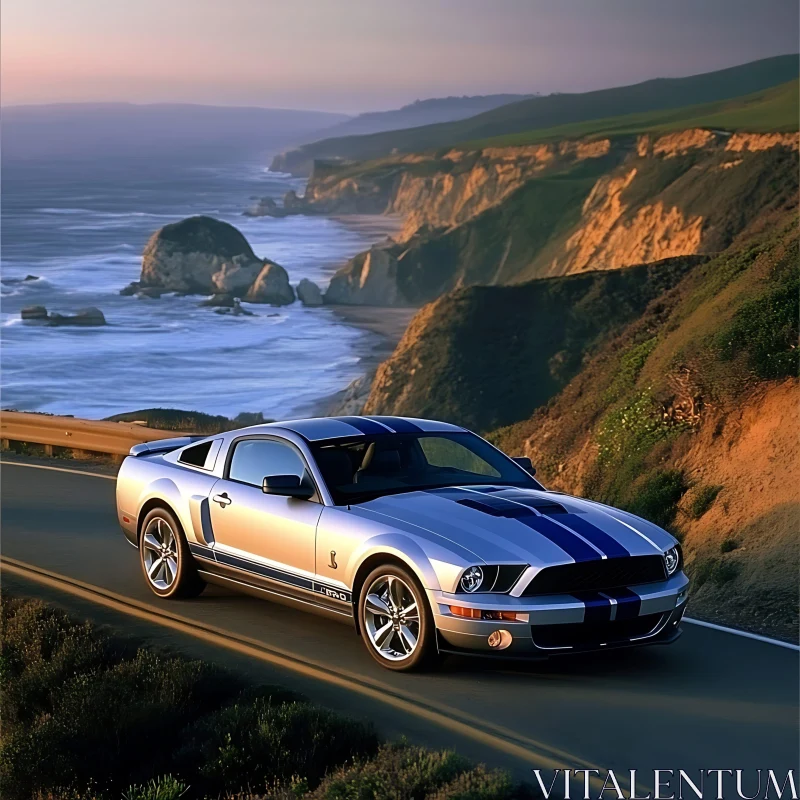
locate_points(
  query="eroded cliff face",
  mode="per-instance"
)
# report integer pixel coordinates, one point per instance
(507, 215)
(606, 239)
(442, 191)
(446, 199)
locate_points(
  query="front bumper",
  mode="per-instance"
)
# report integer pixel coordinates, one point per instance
(562, 624)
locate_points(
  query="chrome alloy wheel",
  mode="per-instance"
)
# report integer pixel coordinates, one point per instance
(160, 553)
(391, 617)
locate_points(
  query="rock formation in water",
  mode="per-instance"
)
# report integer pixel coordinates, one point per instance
(202, 255)
(309, 293)
(85, 317)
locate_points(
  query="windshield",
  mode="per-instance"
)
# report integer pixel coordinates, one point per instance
(360, 469)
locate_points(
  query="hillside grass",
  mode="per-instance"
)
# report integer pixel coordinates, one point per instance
(775, 109)
(90, 717)
(555, 110)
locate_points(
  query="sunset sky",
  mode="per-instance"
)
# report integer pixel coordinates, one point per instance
(357, 55)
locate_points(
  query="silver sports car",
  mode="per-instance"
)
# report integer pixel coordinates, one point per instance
(421, 534)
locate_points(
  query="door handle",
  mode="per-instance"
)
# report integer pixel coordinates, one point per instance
(222, 499)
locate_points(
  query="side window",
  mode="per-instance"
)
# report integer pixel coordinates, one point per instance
(253, 459)
(447, 454)
(196, 456)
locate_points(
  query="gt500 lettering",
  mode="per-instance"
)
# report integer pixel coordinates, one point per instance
(336, 594)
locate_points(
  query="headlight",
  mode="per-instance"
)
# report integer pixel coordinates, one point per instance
(472, 579)
(672, 560)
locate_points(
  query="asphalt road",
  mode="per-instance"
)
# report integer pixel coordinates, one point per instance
(712, 700)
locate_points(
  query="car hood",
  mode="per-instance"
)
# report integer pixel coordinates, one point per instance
(503, 524)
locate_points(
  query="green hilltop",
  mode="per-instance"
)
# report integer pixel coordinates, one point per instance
(775, 109)
(553, 111)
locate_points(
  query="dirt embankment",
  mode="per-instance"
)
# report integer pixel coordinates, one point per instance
(751, 532)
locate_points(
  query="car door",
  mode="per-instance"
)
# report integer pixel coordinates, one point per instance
(268, 536)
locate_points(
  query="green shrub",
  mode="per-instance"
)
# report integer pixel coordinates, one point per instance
(42, 649)
(725, 572)
(106, 726)
(632, 430)
(657, 500)
(163, 788)
(765, 330)
(631, 364)
(728, 545)
(267, 741)
(702, 500)
(717, 571)
(397, 771)
(478, 784)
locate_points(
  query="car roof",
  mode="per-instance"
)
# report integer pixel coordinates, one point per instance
(319, 428)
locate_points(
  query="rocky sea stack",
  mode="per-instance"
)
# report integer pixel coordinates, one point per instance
(85, 317)
(202, 255)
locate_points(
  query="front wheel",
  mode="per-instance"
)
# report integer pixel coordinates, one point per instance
(395, 621)
(167, 563)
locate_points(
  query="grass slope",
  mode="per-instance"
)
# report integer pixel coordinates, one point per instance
(553, 111)
(774, 109)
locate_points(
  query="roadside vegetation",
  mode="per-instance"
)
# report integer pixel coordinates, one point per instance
(174, 419)
(90, 717)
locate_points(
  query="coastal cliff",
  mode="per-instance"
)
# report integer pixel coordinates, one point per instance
(505, 215)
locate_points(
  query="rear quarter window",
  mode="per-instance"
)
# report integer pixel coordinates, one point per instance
(196, 456)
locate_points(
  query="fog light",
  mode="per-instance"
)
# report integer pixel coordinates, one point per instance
(477, 613)
(499, 640)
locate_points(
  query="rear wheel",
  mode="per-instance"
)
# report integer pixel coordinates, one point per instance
(395, 621)
(167, 563)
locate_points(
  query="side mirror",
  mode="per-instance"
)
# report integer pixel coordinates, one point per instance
(525, 463)
(287, 486)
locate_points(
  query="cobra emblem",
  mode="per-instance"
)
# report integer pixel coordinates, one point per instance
(333, 564)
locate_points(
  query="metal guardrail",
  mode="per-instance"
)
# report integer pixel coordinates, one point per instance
(83, 435)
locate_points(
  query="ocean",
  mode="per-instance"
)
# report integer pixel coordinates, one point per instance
(80, 226)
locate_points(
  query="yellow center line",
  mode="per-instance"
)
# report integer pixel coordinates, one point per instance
(59, 469)
(537, 754)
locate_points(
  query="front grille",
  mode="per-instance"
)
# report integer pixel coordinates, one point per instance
(594, 634)
(595, 576)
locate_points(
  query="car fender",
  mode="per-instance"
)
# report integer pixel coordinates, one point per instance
(166, 491)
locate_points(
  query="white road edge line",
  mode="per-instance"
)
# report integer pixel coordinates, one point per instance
(745, 634)
(59, 469)
(701, 623)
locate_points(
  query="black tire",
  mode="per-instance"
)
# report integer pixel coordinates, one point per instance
(185, 582)
(424, 655)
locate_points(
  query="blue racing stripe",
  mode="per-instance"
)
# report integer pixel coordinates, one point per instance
(265, 571)
(567, 541)
(629, 604)
(597, 607)
(363, 424)
(571, 544)
(607, 545)
(397, 424)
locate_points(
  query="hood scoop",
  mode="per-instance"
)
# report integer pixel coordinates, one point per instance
(516, 507)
